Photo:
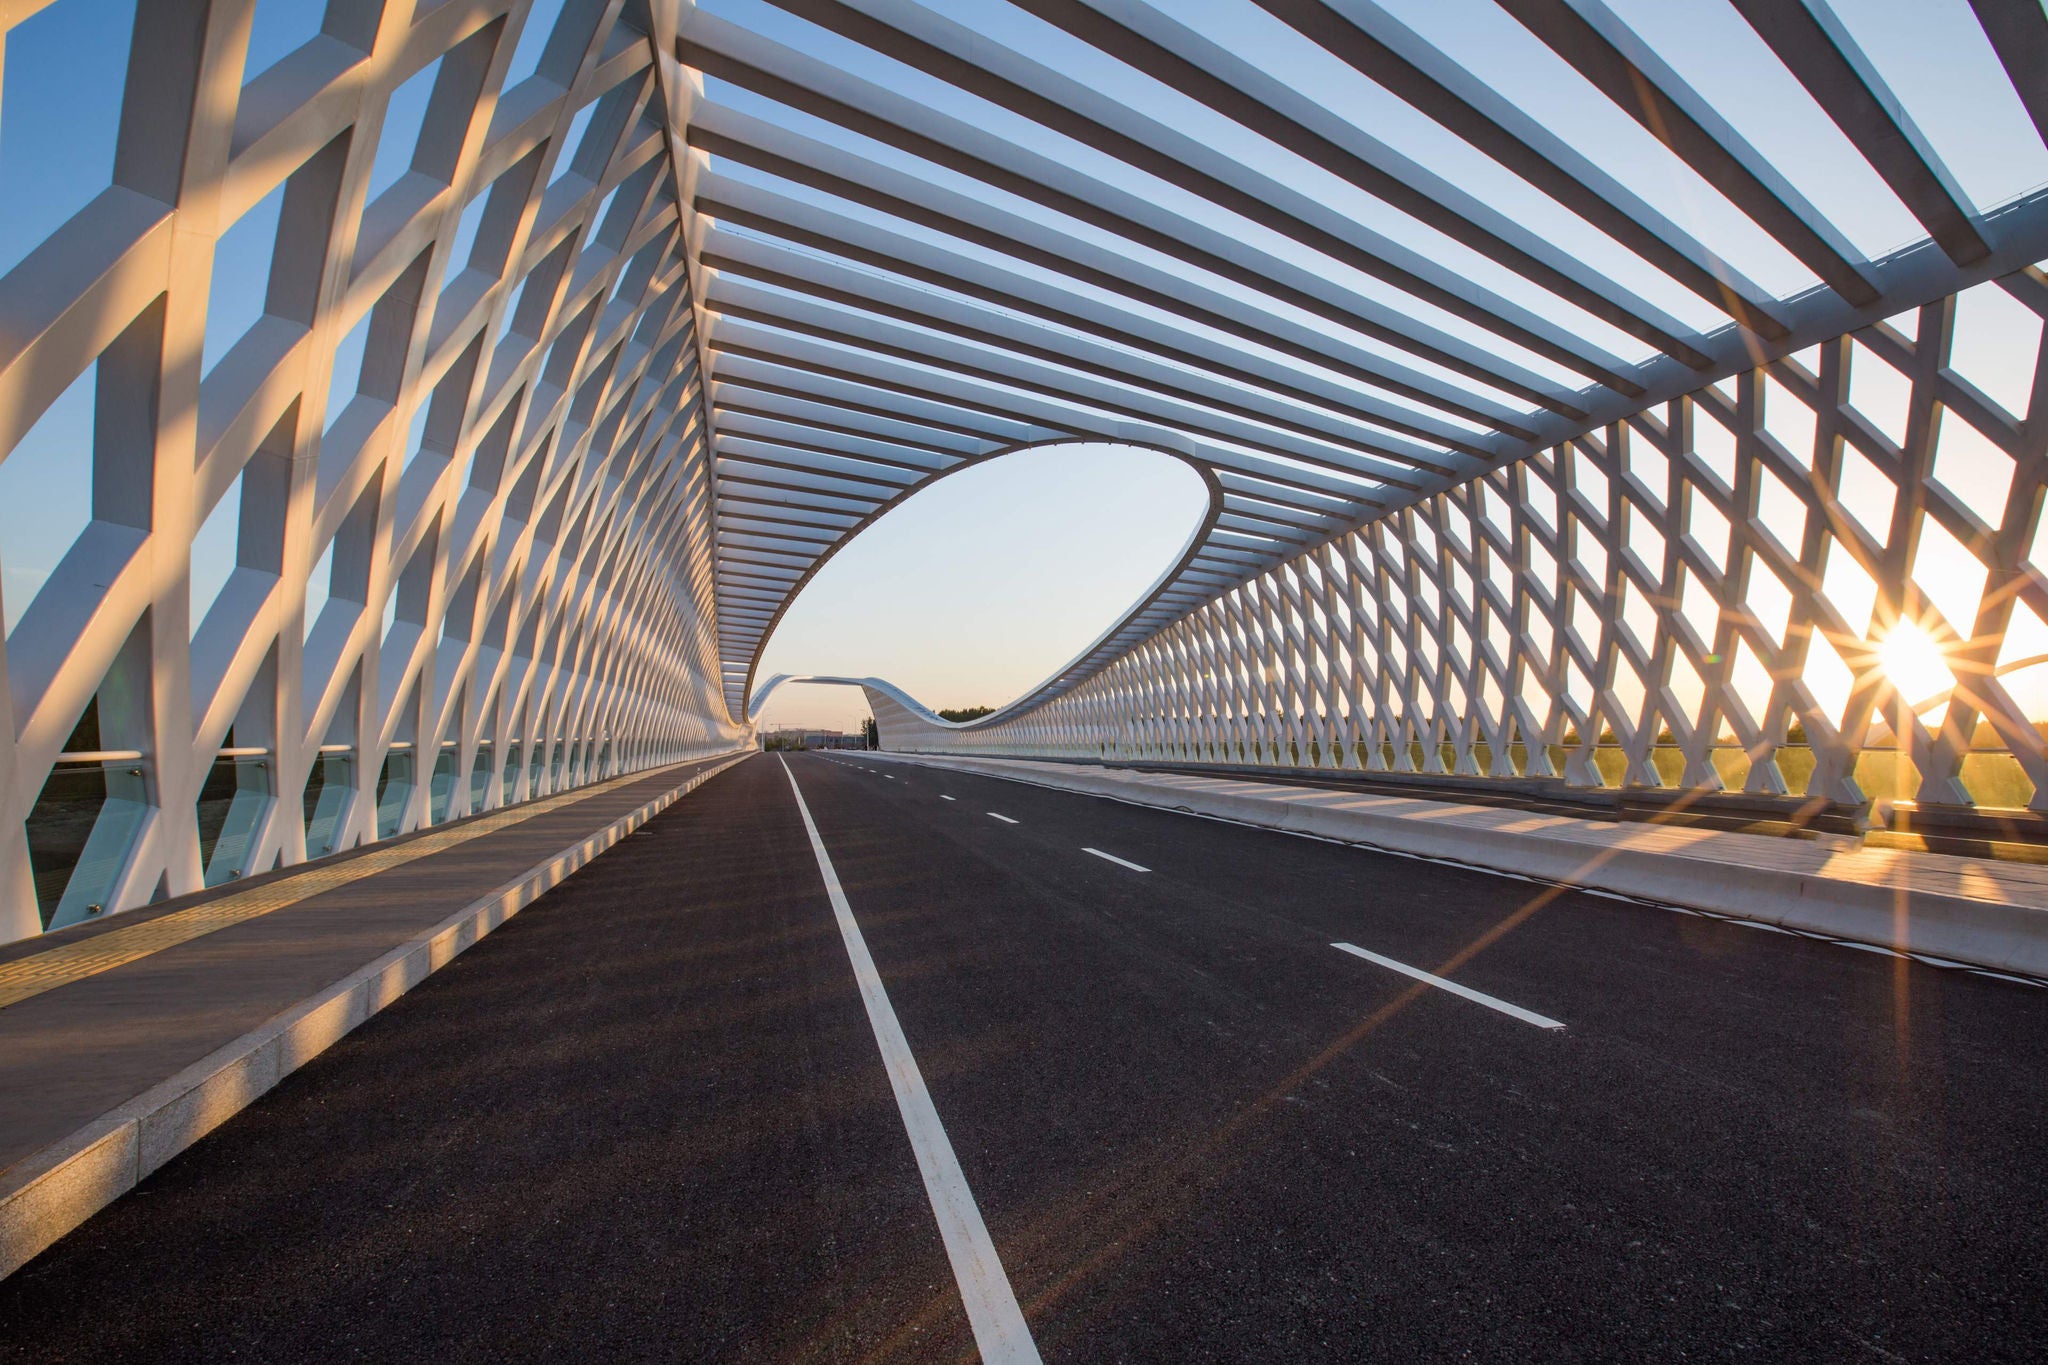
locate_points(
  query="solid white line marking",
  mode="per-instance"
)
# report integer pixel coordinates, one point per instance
(1120, 862)
(1000, 1333)
(1478, 997)
(1004, 818)
(945, 798)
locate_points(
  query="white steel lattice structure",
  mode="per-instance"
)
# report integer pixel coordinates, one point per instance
(1697, 598)
(1524, 425)
(930, 233)
(509, 502)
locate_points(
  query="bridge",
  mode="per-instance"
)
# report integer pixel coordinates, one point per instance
(1553, 868)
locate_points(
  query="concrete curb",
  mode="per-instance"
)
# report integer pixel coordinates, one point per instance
(1967, 929)
(69, 1181)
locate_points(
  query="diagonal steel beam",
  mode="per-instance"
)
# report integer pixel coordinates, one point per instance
(1391, 266)
(915, 261)
(1408, 187)
(2019, 35)
(1621, 66)
(1382, 49)
(1818, 50)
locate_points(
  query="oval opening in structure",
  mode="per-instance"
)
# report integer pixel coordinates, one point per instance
(977, 588)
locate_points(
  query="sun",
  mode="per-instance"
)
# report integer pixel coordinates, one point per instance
(1913, 661)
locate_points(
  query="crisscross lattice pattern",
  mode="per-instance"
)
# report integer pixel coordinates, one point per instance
(590, 329)
(1705, 595)
(467, 418)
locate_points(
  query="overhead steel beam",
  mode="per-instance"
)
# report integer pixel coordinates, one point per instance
(1621, 66)
(1048, 353)
(1385, 51)
(2019, 35)
(1049, 99)
(748, 382)
(914, 260)
(1819, 51)
(990, 405)
(1395, 266)
(1366, 457)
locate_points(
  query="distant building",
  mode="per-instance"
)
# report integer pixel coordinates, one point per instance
(810, 738)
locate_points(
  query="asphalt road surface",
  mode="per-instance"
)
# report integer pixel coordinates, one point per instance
(650, 1119)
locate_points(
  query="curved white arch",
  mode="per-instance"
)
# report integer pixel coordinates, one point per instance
(873, 686)
(901, 720)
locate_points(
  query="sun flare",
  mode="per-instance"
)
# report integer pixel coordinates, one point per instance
(1913, 661)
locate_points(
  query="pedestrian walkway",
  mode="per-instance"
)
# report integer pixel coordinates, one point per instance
(122, 1042)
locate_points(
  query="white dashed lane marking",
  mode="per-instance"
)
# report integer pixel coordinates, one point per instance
(1443, 984)
(1112, 858)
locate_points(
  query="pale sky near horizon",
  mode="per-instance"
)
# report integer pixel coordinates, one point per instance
(978, 587)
